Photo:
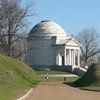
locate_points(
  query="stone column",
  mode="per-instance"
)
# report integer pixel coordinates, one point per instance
(78, 57)
(74, 57)
(70, 56)
(57, 58)
(73, 60)
(65, 56)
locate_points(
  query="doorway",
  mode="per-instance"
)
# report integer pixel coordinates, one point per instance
(62, 60)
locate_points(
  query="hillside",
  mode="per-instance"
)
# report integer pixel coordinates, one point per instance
(16, 78)
(91, 79)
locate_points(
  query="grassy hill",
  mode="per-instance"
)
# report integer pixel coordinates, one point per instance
(16, 78)
(91, 79)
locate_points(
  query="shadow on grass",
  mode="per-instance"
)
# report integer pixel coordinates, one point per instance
(90, 81)
(90, 88)
(96, 89)
(69, 84)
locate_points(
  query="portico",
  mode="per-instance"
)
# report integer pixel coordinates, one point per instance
(68, 54)
(70, 57)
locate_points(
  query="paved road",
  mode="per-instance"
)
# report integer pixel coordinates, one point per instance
(59, 91)
(59, 75)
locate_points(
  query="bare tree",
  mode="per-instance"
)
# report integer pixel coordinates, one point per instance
(13, 16)
(20, 48)
(89, 40)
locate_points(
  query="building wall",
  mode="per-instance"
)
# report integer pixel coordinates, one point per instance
(41, 51)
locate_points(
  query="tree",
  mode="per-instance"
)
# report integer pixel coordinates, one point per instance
(13, 16)
(89, 40)
(20, 48)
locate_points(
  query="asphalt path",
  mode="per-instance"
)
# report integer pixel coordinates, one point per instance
(60, 91)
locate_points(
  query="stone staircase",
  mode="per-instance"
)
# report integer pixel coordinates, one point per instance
(78, 70)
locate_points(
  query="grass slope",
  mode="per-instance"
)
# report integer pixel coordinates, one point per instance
(91, 79)
(21, 80)
(41, 72)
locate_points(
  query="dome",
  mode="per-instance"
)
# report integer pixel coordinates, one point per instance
(47, 28)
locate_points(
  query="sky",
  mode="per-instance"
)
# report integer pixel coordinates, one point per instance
(72, 15)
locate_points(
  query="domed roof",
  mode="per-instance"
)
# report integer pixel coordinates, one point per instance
(47, 28)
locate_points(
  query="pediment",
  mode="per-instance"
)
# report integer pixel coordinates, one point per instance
(73, 42)
(69, 42)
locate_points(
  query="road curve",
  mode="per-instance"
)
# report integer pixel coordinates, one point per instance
(59, 91)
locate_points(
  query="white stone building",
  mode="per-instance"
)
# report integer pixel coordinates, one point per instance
(48, 45)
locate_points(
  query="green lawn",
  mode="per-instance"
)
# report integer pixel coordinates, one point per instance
(55, 79)
(41, 72)
(91, 88)
(18, 82)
